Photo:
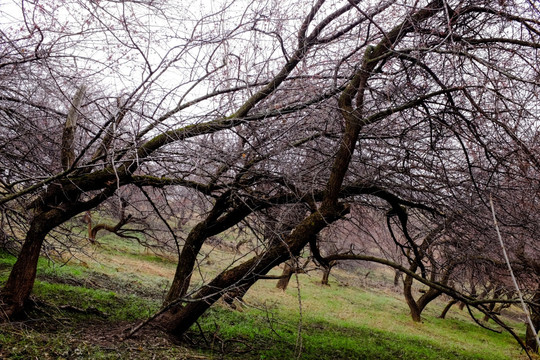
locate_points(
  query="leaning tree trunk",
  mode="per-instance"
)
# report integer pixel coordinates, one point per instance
(427, 297)
(19, 285)
(237, 294)
(180, 318)
(194, 242)
(286, 275)
(447, 308)
(16, 291)
(186, 263)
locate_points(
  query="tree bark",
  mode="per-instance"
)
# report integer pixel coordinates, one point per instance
(67, 153)
(186, 262)
(409, 298)
(195, 240)
(19, 285)
(236, 294)
(180, 318)
(326, 272)
(110, 228)
(417, 306)
(447, 308)
(218, 220)
(87, 219)
(287, 273)
(397, 276)
(428, 297)
(15, 293)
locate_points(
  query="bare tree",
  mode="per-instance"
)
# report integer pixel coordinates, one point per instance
(412, 109)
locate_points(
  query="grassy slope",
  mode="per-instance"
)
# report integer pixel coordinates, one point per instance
(124, 283)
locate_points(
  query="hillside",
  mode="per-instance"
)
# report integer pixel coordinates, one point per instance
(85, 306)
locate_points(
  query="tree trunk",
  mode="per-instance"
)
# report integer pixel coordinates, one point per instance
(286, 275)
(409, 298)
(326, 273)
(447, 308)
(417, 306)
(195, 240)
(87, 219)
(236, 294)
(530, 341)
(397, 276)
(180, 318)
(15, 293)
(428, 297)
(186, 262)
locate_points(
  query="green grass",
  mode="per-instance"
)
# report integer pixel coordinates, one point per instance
(330, 339)
(124, 284)
(112, 305)
(6, 261)
(348, 323)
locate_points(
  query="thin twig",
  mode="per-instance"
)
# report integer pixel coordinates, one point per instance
(300, 320)
(524, 306)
